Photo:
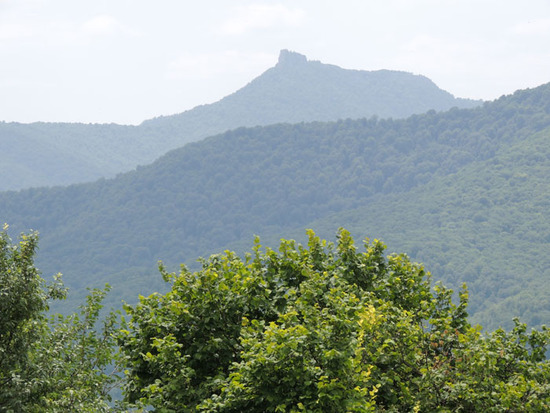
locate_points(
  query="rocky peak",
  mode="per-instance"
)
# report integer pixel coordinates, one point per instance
(289, 58)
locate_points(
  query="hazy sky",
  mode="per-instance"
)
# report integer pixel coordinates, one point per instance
(125, 61)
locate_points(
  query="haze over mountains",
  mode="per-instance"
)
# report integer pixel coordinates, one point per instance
(294, 90)
(463, 191)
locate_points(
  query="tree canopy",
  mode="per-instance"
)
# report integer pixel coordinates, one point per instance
(324, 328)
(51, 364)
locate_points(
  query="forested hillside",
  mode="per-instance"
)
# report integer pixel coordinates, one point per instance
(469, 183)
(46, 154)
(295, 90)
(487, 225)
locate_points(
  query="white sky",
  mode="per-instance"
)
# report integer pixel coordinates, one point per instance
(125, 61)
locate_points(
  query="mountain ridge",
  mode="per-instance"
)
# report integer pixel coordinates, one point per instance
(294, 90)
(293, 74)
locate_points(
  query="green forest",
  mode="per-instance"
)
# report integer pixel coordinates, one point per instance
(320, 327)
(463, 191)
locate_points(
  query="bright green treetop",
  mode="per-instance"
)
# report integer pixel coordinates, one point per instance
(324, 329)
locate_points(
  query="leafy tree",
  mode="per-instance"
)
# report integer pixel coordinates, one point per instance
(23, 301)
(76, 363)
(324, 329)
(61, 364)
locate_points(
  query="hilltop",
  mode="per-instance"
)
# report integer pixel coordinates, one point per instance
(298, 90)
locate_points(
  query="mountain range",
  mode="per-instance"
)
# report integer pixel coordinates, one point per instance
(464, 191)
(294, 90)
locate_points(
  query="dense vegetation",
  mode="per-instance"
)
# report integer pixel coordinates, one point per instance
(46, 154)
(487, 225)
(57, 364)
(463, 191)
(318, 328)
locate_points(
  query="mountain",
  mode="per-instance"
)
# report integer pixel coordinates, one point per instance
(47, 154)
(464, 191)
(295, 90)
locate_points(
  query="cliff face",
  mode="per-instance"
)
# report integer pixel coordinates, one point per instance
(289, 58)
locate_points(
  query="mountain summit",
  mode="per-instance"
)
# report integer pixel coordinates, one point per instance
(299, 90)
(286, 57)
(294, 90)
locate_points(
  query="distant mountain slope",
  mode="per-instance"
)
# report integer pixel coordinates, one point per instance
(46, 154)
(446, 187)
(295, 90)
(298, 90)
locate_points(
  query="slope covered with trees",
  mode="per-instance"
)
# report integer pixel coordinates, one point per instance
(487, 225)
(273, 180)
(46, 154)
(295, 90)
